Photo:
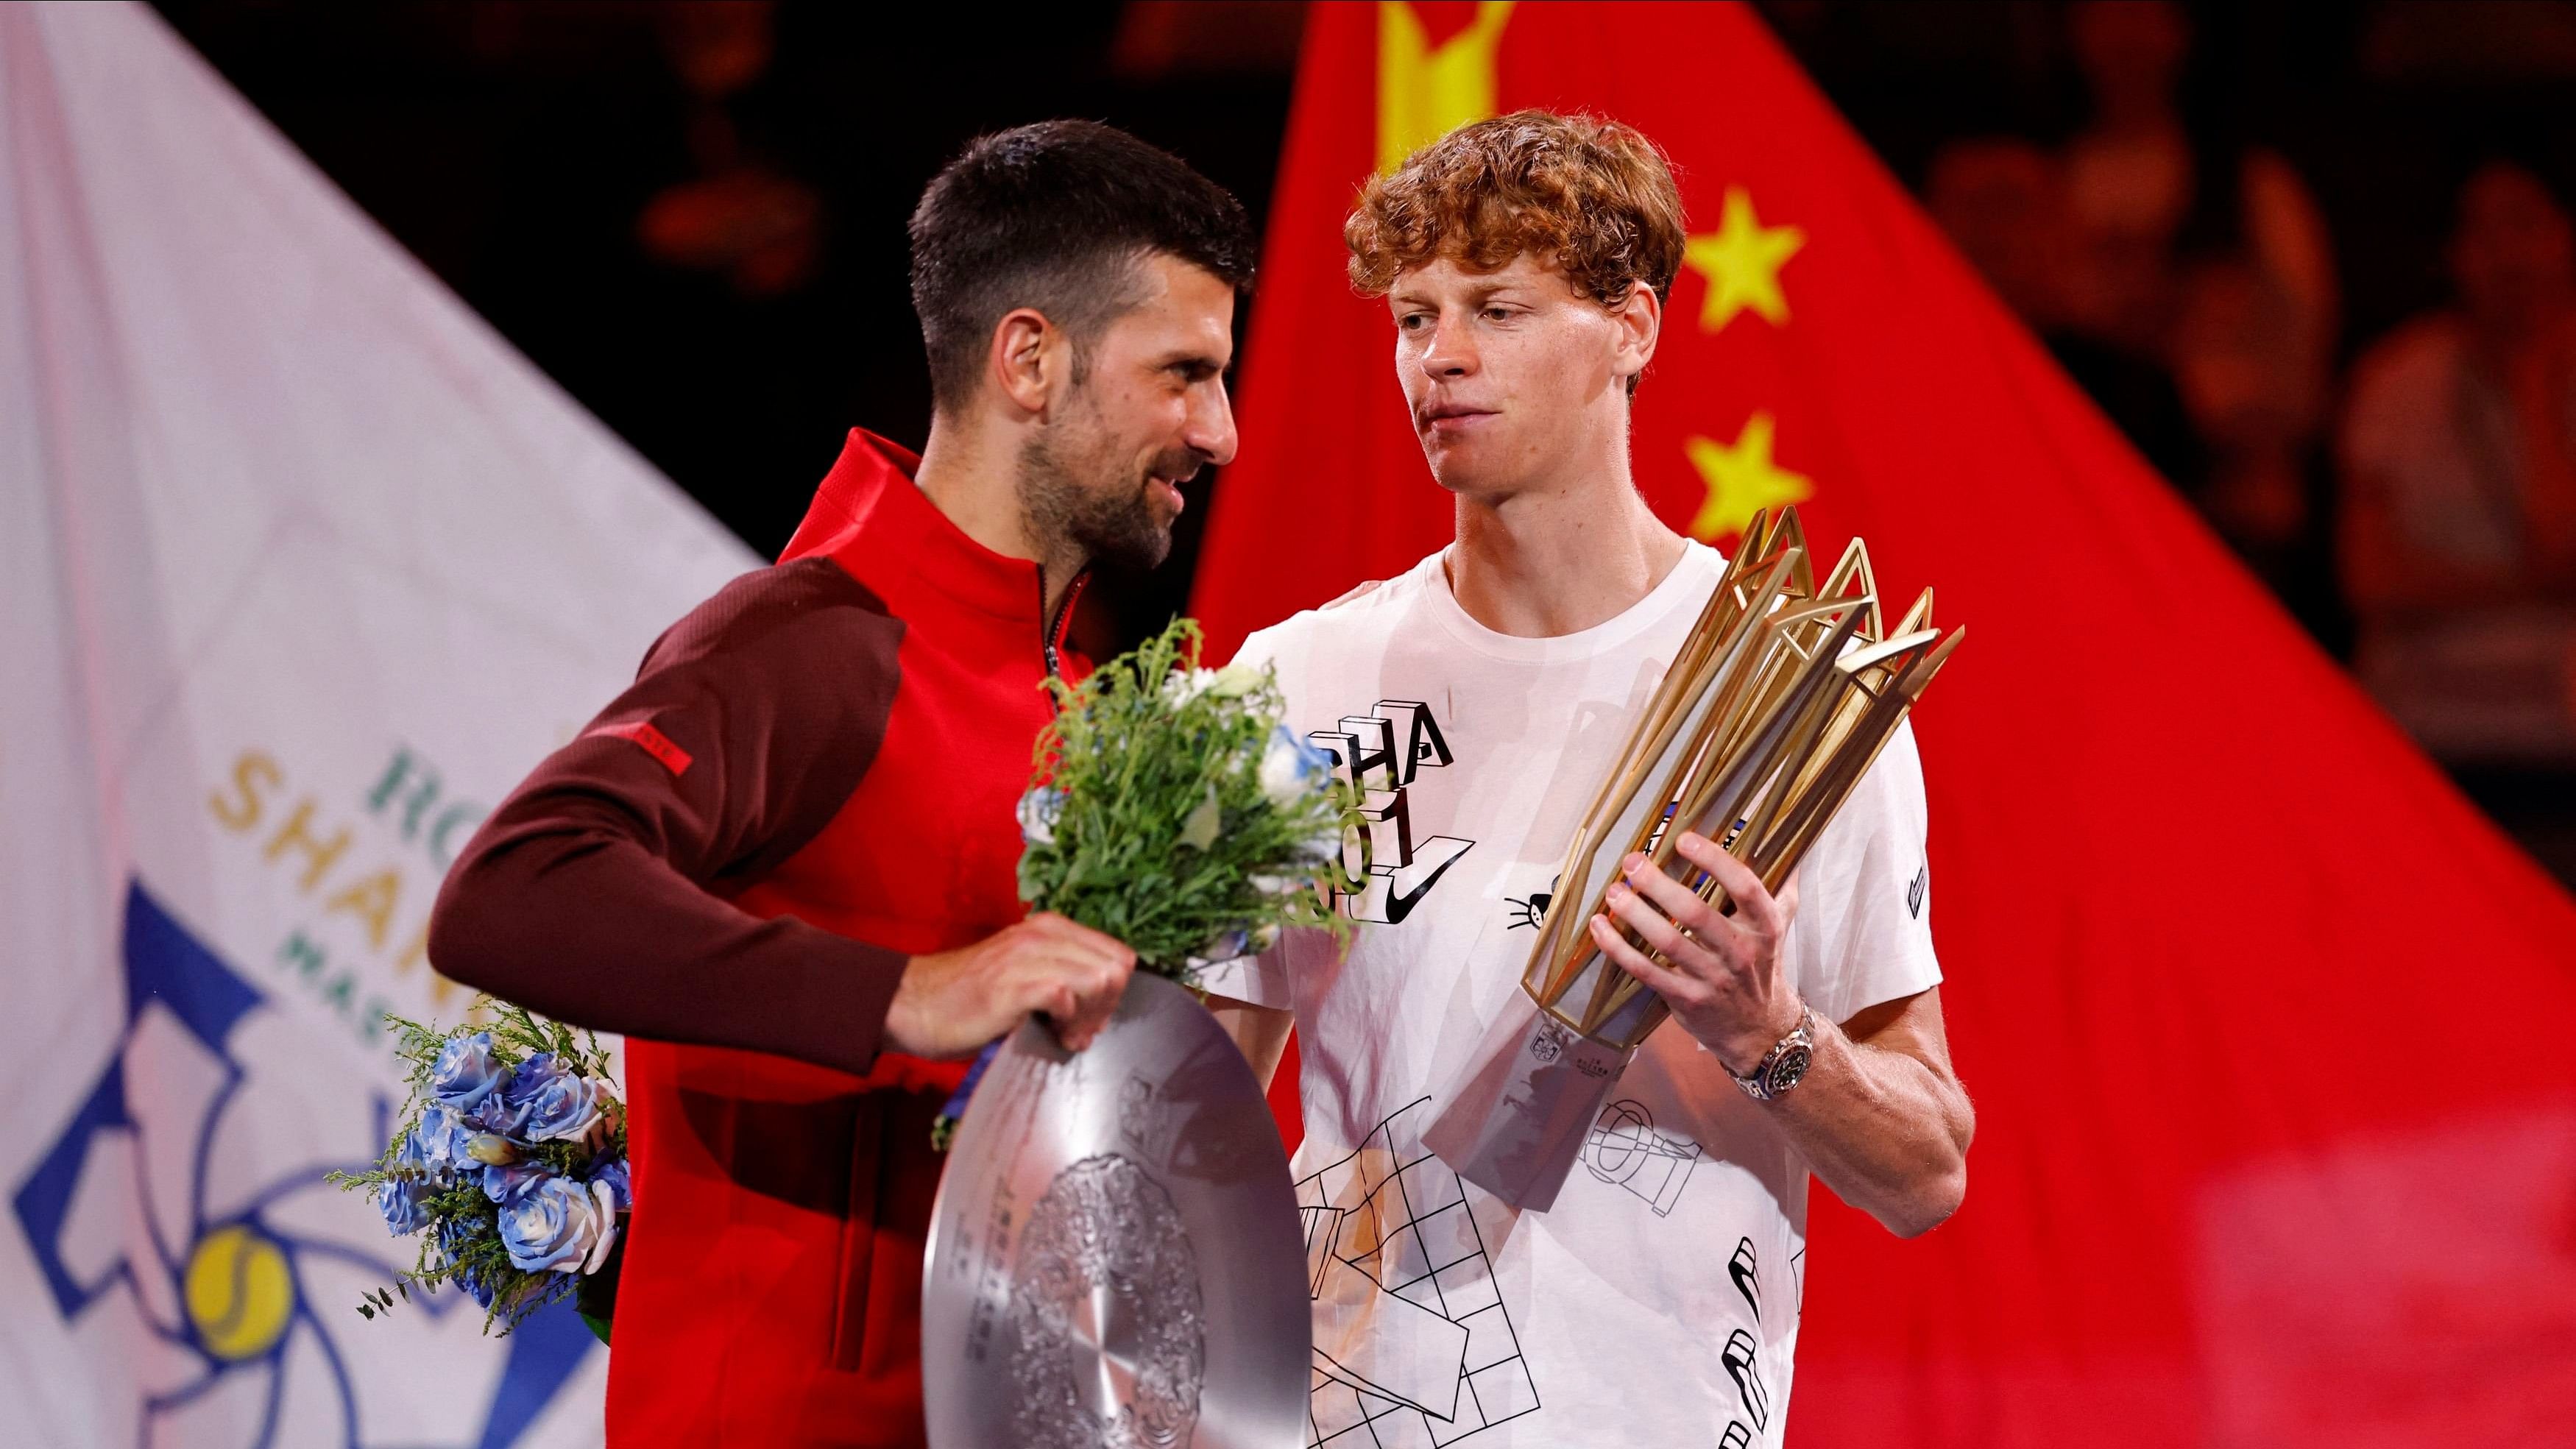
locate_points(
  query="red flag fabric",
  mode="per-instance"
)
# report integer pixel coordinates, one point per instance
(2267, 1028)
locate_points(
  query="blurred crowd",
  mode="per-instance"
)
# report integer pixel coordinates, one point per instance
(2414, 506)
(2409, 490)
(2316, 262)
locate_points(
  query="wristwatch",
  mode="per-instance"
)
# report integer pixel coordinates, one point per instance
(1785, 1065)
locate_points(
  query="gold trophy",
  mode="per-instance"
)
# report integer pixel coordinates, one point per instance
(1770, 713)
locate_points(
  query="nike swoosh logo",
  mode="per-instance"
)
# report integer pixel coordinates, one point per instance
(1391, 896)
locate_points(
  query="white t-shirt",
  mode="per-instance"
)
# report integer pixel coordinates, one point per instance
(1657, 1301)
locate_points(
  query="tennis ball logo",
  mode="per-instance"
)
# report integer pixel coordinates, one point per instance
(240, 1294)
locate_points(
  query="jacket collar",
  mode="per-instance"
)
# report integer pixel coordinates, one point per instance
(876, 523)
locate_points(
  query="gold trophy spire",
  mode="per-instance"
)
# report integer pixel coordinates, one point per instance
(1776, 704)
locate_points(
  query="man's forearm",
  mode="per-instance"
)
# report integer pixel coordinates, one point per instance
(1887, 1130)
(1261, 1032)
(595, 892)
(1879, 1116)
(572, 920)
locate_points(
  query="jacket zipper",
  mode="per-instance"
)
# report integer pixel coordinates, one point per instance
(1053, 643)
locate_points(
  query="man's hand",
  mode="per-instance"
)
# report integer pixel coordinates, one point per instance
(1879, 1115)
(1725, 983)
(952, 1002)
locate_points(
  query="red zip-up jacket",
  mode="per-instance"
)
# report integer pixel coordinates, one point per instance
(812, 778)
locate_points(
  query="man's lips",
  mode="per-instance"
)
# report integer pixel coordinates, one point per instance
(1451, 417)
(1167, 491)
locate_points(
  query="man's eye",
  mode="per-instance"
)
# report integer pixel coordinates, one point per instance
(1412, 322)
(1498, 314)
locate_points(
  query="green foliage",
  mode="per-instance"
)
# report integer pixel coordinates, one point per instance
(1163, 835)
(460, 1244)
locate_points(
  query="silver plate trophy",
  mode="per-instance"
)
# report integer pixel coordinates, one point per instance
(1115, 1258)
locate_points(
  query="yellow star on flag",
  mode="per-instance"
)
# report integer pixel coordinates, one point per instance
(1425, 91)
(1742, 261)
(1742, 480)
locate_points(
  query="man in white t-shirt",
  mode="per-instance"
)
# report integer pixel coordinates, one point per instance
(1480, 698)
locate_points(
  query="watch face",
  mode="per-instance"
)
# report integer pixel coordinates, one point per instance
(1790, 1070)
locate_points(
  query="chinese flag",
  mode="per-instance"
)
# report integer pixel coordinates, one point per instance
(2269, 1032)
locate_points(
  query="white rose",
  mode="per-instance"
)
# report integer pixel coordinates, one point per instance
(1291, 768)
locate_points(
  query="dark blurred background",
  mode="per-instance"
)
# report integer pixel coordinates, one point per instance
(2316, 262)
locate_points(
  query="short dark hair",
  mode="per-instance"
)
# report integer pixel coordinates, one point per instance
(1056, 216)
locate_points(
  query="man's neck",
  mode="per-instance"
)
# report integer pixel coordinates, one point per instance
(1562, 557)
(972, 478)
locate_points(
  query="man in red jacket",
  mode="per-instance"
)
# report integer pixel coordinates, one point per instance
(783, 862)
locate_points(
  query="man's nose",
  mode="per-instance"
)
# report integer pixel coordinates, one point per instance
(1211, 432)
(1450, 352)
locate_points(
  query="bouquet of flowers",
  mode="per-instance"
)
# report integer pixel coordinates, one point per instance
(508, 1162)
(1172, 809)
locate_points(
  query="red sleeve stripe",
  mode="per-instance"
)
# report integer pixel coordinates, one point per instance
(655, 743)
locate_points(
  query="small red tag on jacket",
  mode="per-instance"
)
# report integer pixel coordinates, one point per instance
(654, 742)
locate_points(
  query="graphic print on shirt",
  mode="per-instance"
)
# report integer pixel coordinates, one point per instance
(1530, 910)
(1625, 1149)
(1742, 1268)
(1738, 1358)
(1412, 1342)
(1379, 754)
(1745, 1268)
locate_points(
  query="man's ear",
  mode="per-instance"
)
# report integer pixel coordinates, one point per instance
(1640, 320)
(1030, 361)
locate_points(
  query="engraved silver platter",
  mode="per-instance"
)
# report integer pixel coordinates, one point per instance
(1115, 1258)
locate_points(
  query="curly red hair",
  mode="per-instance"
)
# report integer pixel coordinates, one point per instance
(1592, 196)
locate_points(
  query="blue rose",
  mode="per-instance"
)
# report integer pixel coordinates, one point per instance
(554, 1103)
(399, 1200)
(506, 1182)
(466, 1074)
(558, 1226)
(453, 1235)
(498, 1114)
(621, 1183)
(437, 1144)
(408, 1154)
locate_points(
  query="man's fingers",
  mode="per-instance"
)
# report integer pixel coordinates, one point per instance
(1052, 965)
(1100, 955)
(1698, 922)
(1671, 985)
(1072, 932)
(1098, 986)
(1654, 930)
(1753, 903)
(1681, 904)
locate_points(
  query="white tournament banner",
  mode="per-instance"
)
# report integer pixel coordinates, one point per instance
(301, 568)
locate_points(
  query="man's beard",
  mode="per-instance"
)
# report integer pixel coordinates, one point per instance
(1069, 499)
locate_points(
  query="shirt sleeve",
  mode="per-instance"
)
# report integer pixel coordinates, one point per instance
(1863, 934)
(596, 893)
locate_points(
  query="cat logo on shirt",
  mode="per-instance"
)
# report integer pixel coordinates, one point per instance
(1380, 754)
